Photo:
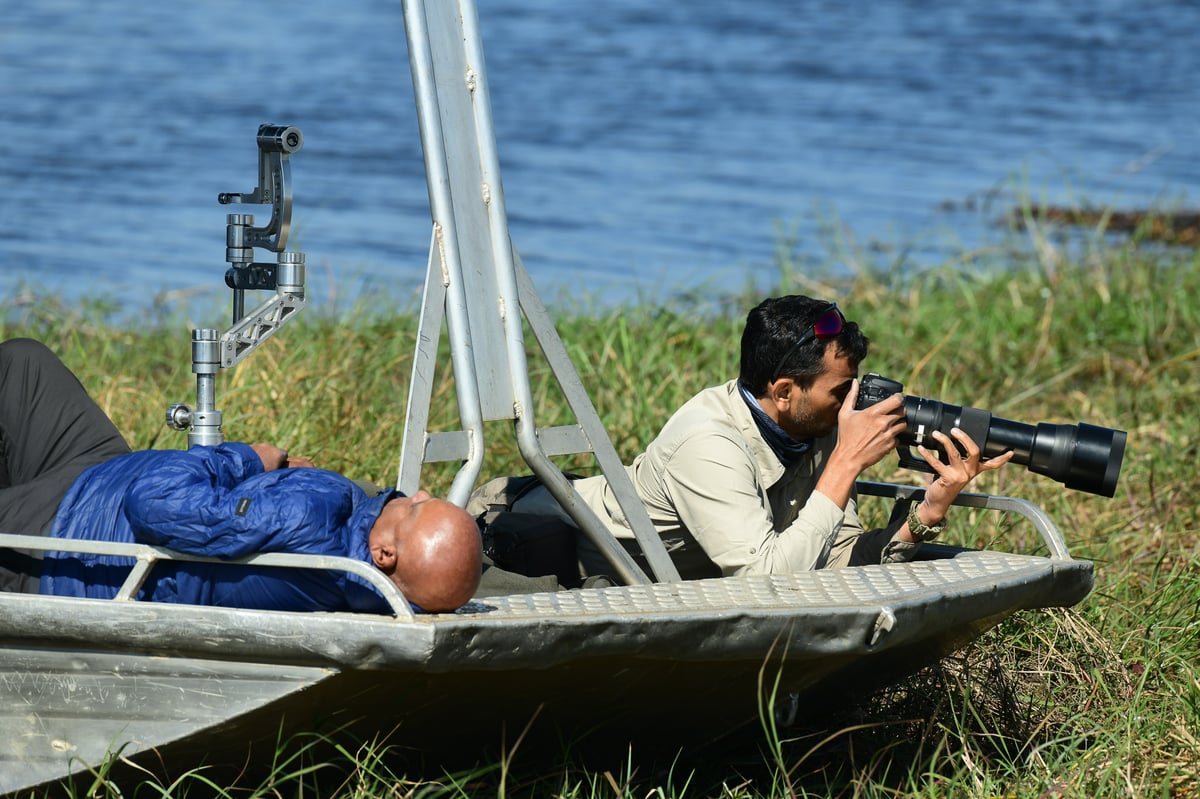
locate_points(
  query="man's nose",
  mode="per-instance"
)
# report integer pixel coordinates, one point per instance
(421, 496)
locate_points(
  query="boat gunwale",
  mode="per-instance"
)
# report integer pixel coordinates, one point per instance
(732, 616)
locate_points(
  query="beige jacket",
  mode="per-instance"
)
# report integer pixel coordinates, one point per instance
(719, 496)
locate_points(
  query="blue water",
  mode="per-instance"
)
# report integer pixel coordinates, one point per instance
(646, 147)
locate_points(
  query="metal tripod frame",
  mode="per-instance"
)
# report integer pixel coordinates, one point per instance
(477, 284)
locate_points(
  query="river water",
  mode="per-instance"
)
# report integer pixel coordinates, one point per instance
(646, 148)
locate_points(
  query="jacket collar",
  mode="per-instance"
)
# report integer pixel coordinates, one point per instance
(766, 463)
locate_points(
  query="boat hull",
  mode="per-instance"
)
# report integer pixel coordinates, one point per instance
(663, 666)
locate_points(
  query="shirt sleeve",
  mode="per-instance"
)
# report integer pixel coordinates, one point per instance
(191, 504)
(713, 486)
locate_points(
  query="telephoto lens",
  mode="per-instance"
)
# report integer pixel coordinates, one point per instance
(1081, 456)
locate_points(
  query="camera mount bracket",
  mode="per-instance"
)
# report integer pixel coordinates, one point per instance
(212, 350)
(275, 144)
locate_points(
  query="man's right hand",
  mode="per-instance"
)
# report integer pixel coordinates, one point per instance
(863, 439)
(273, 458)
(867, 436)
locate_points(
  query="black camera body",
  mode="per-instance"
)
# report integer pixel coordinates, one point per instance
(1083, 456)
(875, 388)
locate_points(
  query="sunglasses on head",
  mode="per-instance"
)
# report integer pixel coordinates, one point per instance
(828, 324)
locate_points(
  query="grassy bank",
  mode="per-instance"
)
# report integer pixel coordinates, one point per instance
(1101, 700)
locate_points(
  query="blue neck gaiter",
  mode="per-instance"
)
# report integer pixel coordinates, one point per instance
(787, 449)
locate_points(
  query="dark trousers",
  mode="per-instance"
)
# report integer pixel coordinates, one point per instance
(50, 431)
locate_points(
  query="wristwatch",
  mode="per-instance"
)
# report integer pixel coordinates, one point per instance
(921, 531)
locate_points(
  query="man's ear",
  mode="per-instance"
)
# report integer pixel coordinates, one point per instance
(782, 392)
(384, 557)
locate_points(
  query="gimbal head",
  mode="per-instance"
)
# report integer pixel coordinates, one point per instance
(212, 351)
(275, 144)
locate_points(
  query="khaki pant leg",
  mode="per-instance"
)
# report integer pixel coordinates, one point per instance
(870, 547)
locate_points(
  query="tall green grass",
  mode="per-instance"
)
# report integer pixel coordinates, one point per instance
(1101, 700)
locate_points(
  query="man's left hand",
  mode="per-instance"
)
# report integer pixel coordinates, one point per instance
(954, 474)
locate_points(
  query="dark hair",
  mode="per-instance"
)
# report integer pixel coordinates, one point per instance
(774, 326)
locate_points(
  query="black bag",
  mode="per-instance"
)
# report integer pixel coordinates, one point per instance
(533, 545)
(528, 544)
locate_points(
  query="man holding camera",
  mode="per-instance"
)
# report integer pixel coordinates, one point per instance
(758, 475)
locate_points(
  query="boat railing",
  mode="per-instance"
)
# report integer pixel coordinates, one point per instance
(1041, 521)
(146, 557)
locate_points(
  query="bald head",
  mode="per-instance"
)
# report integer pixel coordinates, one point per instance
(431, 550)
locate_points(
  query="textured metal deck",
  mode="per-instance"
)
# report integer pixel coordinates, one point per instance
(786, 592)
